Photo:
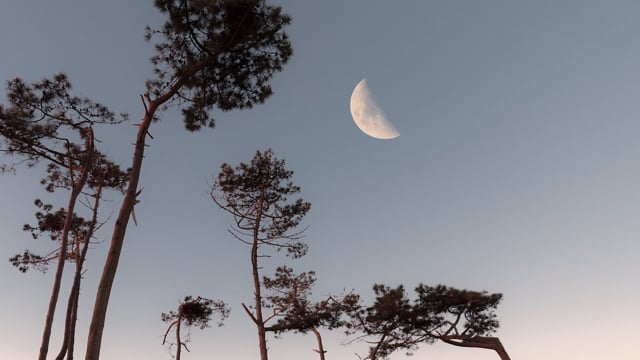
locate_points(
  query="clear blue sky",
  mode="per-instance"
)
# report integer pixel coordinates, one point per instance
(517, 171)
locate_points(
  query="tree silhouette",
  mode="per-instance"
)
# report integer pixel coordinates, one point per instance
(460, 317)
(192, 312)
(44, 122)
(218, 54)
(257, 196)
(457, 317)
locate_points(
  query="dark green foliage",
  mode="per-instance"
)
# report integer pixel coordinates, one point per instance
(439, 312)
(290, 298)
(103, 174)
(211, 54)
(388, 322)
(257, 195)
(43, 118)
(27, 260)
(221, 52)
(197, 312)
(52, 222)
(192, 312)
(43, 121)
(453, 311)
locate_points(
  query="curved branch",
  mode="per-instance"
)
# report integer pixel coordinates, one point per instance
(482, 342)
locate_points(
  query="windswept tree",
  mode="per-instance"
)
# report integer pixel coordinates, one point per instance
(45, 122)
(460, 317)
(257, 195)
(215, 54)
(457, 317)
(192, 312)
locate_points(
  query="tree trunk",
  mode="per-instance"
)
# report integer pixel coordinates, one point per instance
(320, 349)
(373, 352)
(96, 327)
(68, 320)
(259, 320)
(71, 304)
(64, 241)
(74, 297)
(178, 340)
(483, 342)
(115, 248)
(72, 331)
(262, 333)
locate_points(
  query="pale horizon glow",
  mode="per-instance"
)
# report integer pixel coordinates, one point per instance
(517, 172)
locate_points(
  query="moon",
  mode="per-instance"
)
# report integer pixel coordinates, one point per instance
(368, 116)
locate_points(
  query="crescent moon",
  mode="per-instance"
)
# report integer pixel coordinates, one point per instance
(368, 116)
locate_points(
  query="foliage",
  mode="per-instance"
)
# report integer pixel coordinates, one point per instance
(192, 312)
(197, 312)
(257, 195)
(103, 174)
(290, 298)
(394, 322)
(41, 119)
(215, 54)
(450, 311)
(224, 52)
(28, 259)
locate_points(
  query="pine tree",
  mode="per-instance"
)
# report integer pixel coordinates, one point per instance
(216, 54)
(257, 196)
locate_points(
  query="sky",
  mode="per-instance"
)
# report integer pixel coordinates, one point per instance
(516, 172)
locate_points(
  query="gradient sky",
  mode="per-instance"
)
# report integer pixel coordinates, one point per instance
(516, 172)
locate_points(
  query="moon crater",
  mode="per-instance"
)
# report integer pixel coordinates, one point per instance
(367, 114)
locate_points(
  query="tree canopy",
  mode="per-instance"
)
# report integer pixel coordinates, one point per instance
(257, 195)
(454, 316)
(217, 54)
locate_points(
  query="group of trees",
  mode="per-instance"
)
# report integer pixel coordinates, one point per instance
(215, 54)
(44, 122)
(257, 195)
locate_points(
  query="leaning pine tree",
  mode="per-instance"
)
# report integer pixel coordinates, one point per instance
(211, 54)
(457, 317)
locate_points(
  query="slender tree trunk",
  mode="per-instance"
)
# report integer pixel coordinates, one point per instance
(262, 333)
(71, 304)
(320, 349)
(72, 331)
(178, 340)
(96, 327)
(74, 297)
(113, 256)
(72, 308)
(64, 241)
(259, 320)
